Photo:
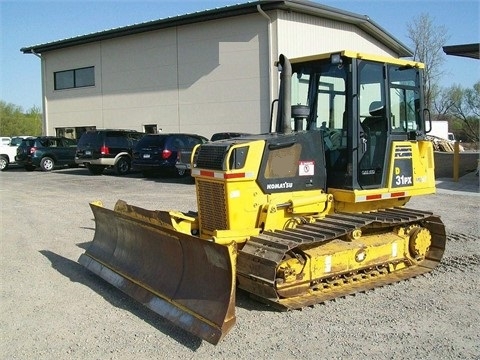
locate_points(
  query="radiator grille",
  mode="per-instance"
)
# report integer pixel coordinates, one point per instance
(403, 151)
(212, 205)
(211, 156)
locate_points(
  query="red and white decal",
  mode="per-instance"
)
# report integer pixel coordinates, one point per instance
(306, 168)
(221, 175)
(384, 196)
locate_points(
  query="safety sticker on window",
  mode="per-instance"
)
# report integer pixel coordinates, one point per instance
(306, 168)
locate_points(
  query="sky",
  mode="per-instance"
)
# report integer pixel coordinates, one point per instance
(27, 23)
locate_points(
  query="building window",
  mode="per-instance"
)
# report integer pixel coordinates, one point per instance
(73, 132)
(75, 78)
(151, 129)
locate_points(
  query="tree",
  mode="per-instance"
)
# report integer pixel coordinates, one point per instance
(13, 121)
(462, 106)
(427, 41)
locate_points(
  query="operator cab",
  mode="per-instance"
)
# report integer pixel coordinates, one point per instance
(361, 103)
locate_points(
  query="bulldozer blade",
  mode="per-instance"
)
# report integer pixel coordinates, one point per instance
(187, 280)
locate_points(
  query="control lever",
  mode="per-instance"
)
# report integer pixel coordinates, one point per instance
(364, 140)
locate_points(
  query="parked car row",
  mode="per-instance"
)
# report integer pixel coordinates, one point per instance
(46, 152)
(120, 150)
(158, 153)
(8, 150)
(99, 149)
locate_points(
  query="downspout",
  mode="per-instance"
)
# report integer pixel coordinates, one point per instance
(177, 59)
(270, 57)
(44, 103)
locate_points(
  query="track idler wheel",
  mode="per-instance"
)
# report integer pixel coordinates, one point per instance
(420, 241)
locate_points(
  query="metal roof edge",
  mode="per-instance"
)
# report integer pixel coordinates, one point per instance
(464, 50)
(308, 7)
(190, 18)
(362, 21)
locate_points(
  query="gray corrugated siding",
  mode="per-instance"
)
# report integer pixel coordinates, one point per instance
(303, 34)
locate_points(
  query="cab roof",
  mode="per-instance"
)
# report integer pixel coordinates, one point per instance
(358, 55)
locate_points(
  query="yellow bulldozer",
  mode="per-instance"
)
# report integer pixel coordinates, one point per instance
(312, 211)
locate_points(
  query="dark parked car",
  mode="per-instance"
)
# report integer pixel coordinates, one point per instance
(99, 149)
(46, 152)
(157, 153)
(227, 135)
(183, 163)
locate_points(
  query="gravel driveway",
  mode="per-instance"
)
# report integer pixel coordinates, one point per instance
(53, 308)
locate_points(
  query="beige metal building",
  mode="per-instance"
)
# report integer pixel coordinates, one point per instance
(202, 72)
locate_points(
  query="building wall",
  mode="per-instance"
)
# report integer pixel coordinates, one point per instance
(139, 80)
(72, 107)
(199, 78)
(223, 75)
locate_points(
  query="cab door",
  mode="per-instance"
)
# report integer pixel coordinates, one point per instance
(373, 125)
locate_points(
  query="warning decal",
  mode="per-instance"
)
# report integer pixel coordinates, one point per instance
(306, 168)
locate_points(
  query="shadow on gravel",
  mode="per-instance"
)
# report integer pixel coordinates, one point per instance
(82, 171)
(77, 273)
(188, 180)
(244, 301)
(15, 168)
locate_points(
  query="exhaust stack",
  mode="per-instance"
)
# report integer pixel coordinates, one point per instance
(284, 114)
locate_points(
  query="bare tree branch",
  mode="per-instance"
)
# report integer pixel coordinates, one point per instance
(427, 42)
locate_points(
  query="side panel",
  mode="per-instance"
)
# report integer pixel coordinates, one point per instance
(410, 172)
(293, 163)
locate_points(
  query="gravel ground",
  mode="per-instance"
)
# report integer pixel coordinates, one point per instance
(53, 308)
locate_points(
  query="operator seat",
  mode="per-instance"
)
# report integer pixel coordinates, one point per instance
(376, 127)
(376, 120)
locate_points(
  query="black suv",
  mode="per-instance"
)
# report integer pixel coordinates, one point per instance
(46, 152)
(227, 135)
(99, 149)
(157, 153)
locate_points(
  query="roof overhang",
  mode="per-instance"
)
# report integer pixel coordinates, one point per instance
(465, 50)
(307, 7)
